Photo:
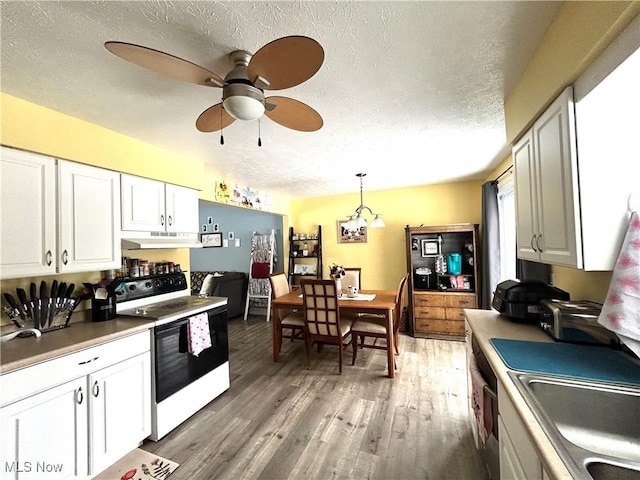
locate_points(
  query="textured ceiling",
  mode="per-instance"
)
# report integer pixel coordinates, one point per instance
(411, 93)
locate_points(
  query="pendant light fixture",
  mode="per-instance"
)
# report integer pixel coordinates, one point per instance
(356, 220)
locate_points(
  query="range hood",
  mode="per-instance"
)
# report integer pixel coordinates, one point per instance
(144, 240)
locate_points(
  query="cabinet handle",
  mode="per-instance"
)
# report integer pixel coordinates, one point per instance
(170, 218)
(96, 389)
(88, 361)
(161, 219)
(532, 245)
(49, 258)
(538, 242)
(79, 396)
(65, 257)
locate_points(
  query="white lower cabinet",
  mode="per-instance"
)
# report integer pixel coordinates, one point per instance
(518, 458)
(45, 435)
(119, 410)
(75, 427)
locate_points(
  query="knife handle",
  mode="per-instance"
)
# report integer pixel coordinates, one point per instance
(11, 301)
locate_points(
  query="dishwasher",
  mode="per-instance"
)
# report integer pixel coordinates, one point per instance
(489, 450)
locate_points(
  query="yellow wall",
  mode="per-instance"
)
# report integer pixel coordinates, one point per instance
(578, 35)
(35, 128)
(32, 127)
(382, 258)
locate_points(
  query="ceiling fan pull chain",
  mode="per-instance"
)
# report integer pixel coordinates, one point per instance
(259, 139)
(221, 129)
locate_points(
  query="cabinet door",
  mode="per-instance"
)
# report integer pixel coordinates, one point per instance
(526, 207)
(143, 205)
(119, 411)
(27, 214)
(510, 467)
(557, 184)
(182, 209)
(45, 436)
(89, 218)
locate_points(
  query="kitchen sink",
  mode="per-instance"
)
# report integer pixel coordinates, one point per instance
(608, 471)
(595, 427)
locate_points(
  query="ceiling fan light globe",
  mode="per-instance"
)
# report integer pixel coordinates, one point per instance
(243, 101)
(243, 108)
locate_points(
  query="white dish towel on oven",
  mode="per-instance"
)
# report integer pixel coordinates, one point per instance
(621, 310)
(198, 334)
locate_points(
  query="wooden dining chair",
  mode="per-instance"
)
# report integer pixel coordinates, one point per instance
(322, 317)
(291, 321)
(375, 326)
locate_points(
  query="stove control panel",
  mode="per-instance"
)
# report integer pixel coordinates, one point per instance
(135, 288)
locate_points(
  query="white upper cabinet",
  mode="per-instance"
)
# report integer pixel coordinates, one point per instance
(27, 214)
(81, 208)
(181, 209)
(608, 156)
(575, 177)
(525, 189)
(89, 218)
(143, 204)
(152, 206)
(546, 176)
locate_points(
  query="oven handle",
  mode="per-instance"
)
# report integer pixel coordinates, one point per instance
(491, 392)
(183, 321)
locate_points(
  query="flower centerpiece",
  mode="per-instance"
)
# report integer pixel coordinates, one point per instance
(337, 272)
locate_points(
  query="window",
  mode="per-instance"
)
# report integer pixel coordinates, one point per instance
(507, 219)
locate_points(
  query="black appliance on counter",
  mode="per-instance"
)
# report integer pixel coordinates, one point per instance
(520, 301)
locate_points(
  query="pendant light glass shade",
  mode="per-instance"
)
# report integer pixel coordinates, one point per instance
(377, 222)
(357, 220)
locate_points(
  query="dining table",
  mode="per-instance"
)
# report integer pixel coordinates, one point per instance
(381, 302)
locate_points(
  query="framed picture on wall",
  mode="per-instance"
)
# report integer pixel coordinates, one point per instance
(429, 248)
(349, 236)
(211, 239)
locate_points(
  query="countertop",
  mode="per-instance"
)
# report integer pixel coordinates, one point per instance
(24, 352)
(487, 324)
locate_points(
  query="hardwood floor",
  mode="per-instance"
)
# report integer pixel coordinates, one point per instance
(282, 421)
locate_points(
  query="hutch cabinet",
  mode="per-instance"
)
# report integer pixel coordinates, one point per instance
(305, 255)
(444, 278)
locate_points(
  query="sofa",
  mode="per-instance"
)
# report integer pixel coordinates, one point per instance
(232, 285)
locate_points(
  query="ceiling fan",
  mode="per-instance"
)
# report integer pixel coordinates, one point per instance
(282, 63)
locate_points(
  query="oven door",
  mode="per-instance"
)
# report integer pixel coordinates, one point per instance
(175, 367)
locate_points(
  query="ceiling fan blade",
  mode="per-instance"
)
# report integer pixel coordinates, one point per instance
(286, 62)
(293, 114)
(213, 119)
(165, 64)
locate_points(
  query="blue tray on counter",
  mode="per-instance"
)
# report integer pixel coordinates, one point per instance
(586, 362)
